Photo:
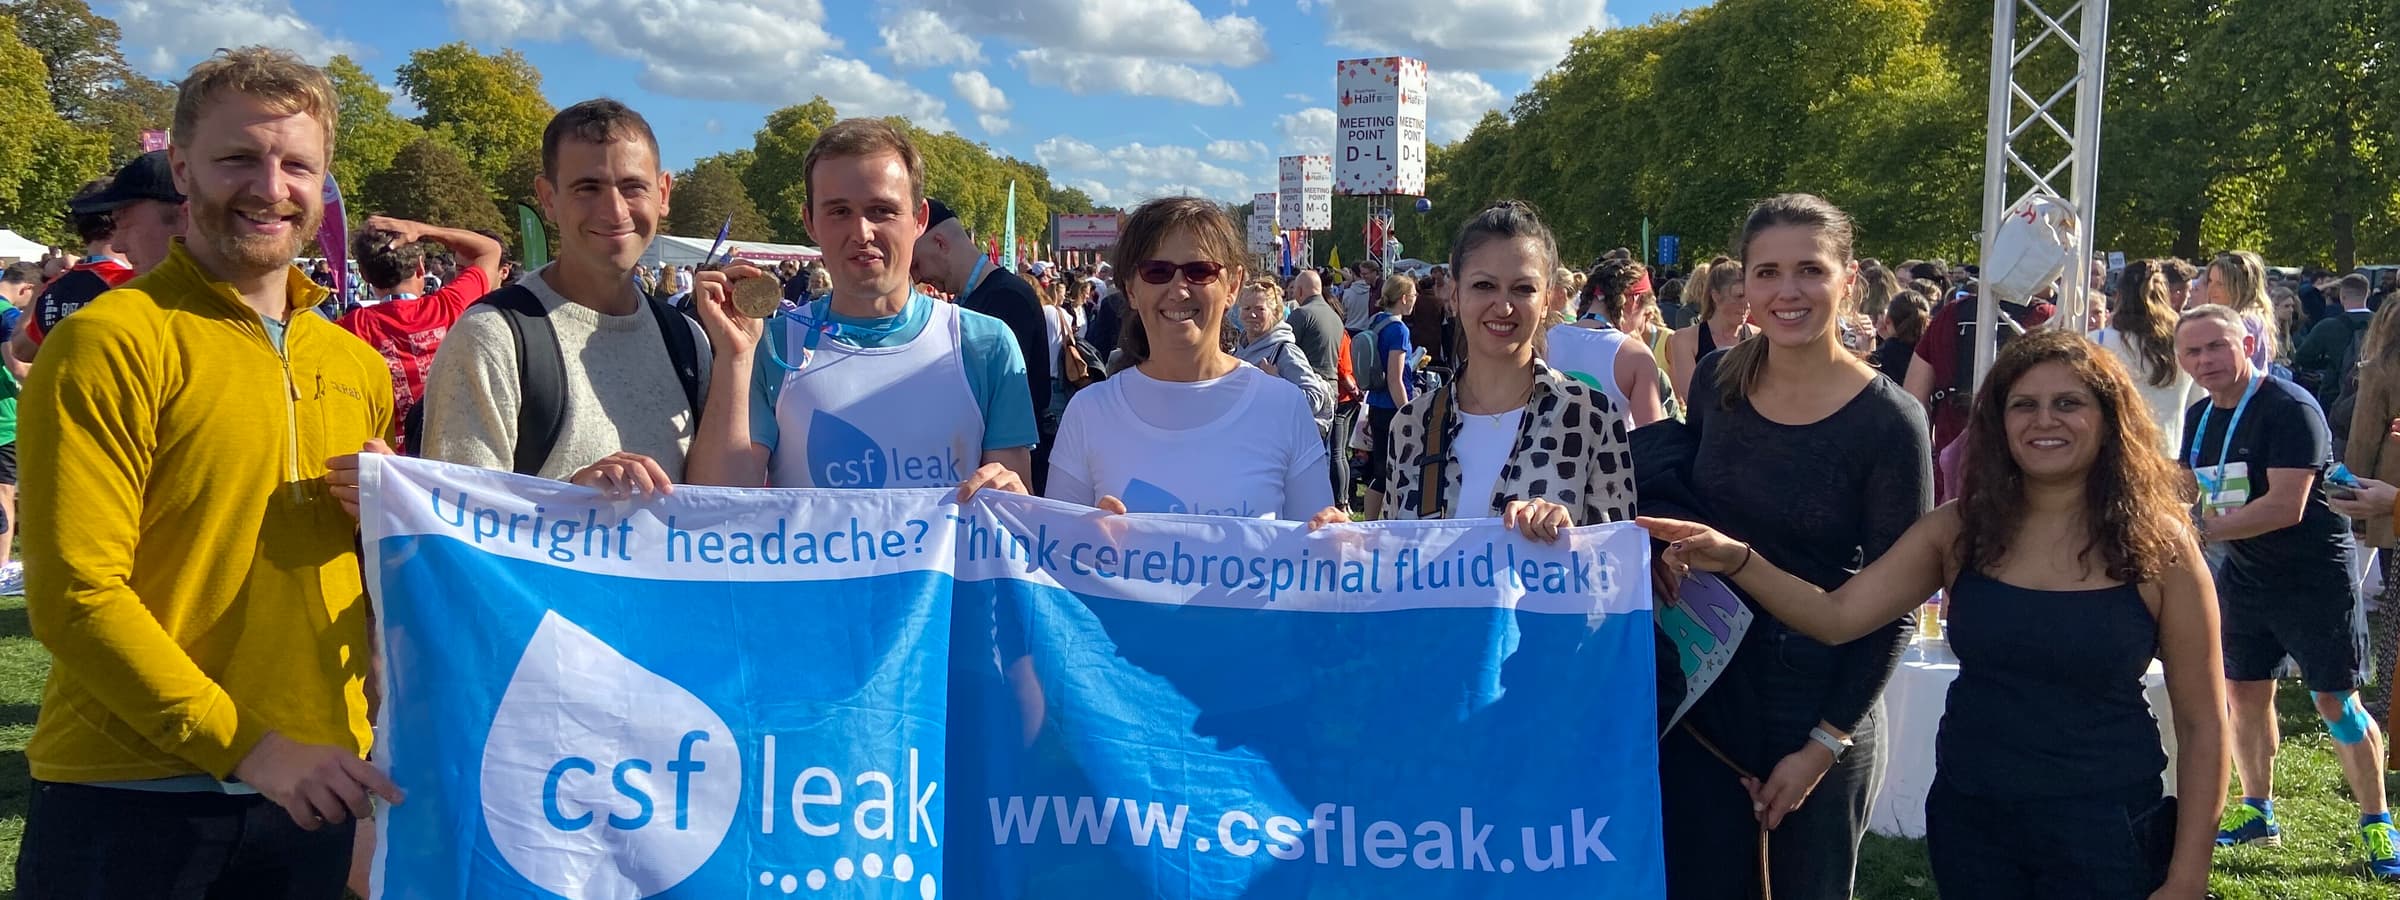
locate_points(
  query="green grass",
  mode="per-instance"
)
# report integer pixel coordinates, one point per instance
(2318, 860)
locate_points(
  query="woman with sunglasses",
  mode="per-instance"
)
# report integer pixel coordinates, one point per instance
(1187, 427)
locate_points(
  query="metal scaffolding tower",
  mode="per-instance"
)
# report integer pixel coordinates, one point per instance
(2018, 161)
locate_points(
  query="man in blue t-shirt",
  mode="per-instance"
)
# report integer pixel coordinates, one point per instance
(2257, 446)
(873, 385)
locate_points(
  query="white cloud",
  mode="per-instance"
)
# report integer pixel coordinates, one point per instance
(771, 51)
(1085, 74)
(1517, 35)
(1172, 30)
(994, 125)
(164, 37)
(1309, 131)
(1302, 99)
(1128, 174)
(713, 126)
(978, 92)
(1236, 151)
(915, 37)
(1455, 101)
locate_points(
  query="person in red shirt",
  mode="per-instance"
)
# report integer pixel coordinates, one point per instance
(1941, 377)
(403, 326)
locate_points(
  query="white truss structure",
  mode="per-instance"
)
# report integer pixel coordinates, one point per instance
(2015, 166)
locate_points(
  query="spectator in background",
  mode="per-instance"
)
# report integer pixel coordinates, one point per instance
(2328, 358)
(1723, 320)
(2373, 453)
(405, 325)
(1361, 295)
(127, 223)
(2179, 275)
(1899, 329)
(947, 258)
(17, 283)
(1430, 323)
(1394, 345)
(2141, 334)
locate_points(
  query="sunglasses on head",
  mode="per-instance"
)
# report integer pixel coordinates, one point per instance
(1159, 271)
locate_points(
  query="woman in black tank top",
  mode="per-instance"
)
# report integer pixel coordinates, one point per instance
(2070, 563)
(1722, 310)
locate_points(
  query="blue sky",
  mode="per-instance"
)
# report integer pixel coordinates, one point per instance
(1124, 98)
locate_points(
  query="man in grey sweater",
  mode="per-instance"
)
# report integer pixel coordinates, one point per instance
(1316, 327)
(627, 423)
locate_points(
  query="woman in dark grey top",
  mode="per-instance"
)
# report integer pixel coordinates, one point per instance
(1804, 453)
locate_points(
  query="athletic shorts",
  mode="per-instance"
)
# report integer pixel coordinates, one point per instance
(8, 463)
(2325, 636)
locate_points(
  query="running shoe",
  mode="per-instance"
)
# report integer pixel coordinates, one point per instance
(12, 578)
(2244, 824)
(2382, 859)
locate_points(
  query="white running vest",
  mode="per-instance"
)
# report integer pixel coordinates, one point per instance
(857, 417)
(1589, 355)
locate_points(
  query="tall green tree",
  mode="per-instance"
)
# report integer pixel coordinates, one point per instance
(778, 149)
(89, 82)
(490, 107)
(44, 159)
(711, 193)
(430, 182)
(371, 134)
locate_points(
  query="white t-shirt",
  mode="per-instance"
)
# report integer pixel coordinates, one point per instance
(683, 281)
(1483, 445)
(1056, 321)
(2165, 404)
(1242, 445)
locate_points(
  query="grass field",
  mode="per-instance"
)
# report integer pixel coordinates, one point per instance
(2318, 861)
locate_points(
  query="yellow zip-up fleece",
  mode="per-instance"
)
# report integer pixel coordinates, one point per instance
(196, 584)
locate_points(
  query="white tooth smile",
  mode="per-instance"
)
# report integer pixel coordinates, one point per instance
(1791, 315)
(1177, 315)
(2049, 443)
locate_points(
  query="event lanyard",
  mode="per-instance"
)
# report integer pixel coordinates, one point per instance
(820, 323)
(2224, 447)
(969, 287)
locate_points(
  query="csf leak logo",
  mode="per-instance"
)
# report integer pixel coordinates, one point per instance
(1144, 497)
(842, 455)
(602, 779)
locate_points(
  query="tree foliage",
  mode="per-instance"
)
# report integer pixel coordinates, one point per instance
(429, 182)
(489, 107)
(371, 135)
(774, 176)
(710, 194)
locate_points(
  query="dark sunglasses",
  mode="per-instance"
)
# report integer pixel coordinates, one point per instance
(1159, 271)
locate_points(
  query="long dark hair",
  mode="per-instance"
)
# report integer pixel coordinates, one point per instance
(1611, 285)
(1507, 220)
(2145, 315)
(2133, 506)
(1147, 228)
(1738, 372)
(1909, 313)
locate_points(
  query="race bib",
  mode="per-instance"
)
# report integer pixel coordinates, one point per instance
(2223, 488)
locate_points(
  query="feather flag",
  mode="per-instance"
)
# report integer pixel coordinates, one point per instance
(1009, 230)
(535, 239)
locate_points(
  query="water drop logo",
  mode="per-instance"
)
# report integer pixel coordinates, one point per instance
(602, 779)
(842, 456)
(1144, 497)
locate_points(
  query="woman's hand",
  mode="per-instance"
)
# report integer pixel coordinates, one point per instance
(1331, 515)
(992, 476)
(1696, 546)
(1536, 519)
(1789, 785)
(2373, 500)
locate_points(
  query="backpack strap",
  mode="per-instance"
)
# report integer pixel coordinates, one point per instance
(683, 352)
(1434, 465)
(541, 375)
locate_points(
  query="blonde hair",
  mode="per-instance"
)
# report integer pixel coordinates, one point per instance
(277, 78)
(1265, 287)
(1395, 288)
(2245, 277)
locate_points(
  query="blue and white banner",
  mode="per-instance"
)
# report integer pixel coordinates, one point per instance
(728, 693)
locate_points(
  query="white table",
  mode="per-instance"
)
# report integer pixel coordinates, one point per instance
(1913, 710)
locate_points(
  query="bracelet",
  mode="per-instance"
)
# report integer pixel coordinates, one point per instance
(1747, 552)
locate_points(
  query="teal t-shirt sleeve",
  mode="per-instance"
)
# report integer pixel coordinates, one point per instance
(996, 373)
(766, 383)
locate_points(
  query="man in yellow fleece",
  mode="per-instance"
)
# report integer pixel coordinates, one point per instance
(202, 730)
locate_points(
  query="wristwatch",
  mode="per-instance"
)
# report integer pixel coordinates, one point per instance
(1839, 745)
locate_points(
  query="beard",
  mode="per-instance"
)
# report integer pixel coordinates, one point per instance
(221, 225)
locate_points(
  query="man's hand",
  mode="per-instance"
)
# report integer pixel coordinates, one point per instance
(341, 475)
(730, 332)
(315, 784)
(993, 477)
(404, 231)
(623, 475)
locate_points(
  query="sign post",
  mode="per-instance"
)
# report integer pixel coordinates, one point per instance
(1382, 129)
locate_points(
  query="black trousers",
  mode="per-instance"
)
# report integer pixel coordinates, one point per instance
(1712, 835)
(94, 843)
(2102, 844)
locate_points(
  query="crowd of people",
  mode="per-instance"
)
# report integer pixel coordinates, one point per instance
(2162, 476)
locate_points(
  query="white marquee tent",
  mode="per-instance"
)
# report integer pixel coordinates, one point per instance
(671, 250)
(15, 246)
